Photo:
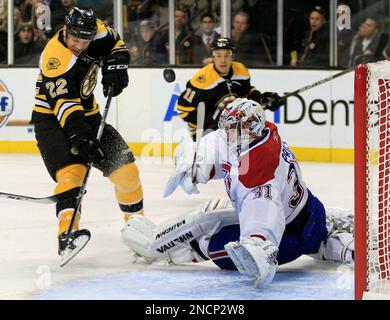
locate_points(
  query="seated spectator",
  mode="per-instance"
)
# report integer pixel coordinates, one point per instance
(217, 20)
(364, 45)
(17, 20)
(185, 40)
(43, 22)
(4, 28)
(27, 50)
(147, 10)
(314, 49)
(58, 15)
(344, 35)
(149, 47)
(250, 49)
(207, 37)
(27, 9)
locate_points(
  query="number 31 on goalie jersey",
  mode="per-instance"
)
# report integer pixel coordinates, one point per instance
(293, 178)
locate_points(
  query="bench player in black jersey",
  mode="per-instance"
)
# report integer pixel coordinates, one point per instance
(217, 84)
(66, 116)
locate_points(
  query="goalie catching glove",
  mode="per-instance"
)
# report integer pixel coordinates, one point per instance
(187, 163)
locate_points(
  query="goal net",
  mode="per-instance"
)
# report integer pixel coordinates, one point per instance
(372, 184)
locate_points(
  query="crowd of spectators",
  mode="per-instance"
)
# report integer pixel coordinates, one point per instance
(367, 44)
(35, 21)
(147, 36)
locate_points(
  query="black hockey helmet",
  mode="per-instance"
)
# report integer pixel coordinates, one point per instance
(222, 43)
(81, 23)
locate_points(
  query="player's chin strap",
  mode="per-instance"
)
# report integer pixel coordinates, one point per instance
(176, 240)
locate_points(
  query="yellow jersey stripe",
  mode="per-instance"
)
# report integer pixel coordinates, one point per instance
(66, 114)
(183, 115)
(91, 113)
(42, 110)
(188, 109)
(41, 97)
(61, 102)
(119, 43)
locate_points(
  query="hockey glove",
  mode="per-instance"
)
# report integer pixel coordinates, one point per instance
(85, 145)
(271, 101)
(115, 74)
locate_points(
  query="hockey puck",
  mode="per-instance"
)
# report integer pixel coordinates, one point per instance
(169, 75)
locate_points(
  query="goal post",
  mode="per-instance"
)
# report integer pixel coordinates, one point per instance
(372, 180)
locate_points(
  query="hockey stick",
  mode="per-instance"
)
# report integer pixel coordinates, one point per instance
(200, 116)
(315, 84)
(45, 200)
(89, 165)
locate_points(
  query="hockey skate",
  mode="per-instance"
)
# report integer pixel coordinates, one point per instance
(77, 240)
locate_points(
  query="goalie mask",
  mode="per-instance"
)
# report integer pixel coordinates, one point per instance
(242, 122)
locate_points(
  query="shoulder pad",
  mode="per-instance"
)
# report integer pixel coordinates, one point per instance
(56, 59)
(102, 30)
(239, 69)
(205, 78)
(267, 154)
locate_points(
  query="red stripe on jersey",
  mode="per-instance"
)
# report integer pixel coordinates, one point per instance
(258, 236)
(218, 254)
(258, 166)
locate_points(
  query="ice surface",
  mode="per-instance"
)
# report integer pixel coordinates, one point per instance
(29, 264)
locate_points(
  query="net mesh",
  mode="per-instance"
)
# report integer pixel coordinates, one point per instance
(378, 175)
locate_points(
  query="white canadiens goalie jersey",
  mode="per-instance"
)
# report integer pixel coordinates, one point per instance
(264, 182)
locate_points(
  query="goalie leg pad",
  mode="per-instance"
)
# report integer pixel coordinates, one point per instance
(339, 247)
(339, 244)
(162, 241)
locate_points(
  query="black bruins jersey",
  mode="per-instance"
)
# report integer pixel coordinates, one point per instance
(65, 84)
(215, 91)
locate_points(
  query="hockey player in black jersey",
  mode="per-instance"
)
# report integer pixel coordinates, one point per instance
(66, 117)
(217, 84)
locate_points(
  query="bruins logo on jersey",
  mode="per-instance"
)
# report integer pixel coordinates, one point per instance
(90, 80)
(53, 64)
(201, 79)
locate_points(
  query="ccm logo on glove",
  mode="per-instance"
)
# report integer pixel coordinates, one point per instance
(118, 67)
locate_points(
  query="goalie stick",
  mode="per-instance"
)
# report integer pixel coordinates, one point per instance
(200, 116)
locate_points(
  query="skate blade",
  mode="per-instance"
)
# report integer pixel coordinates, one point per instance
(68, 253)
